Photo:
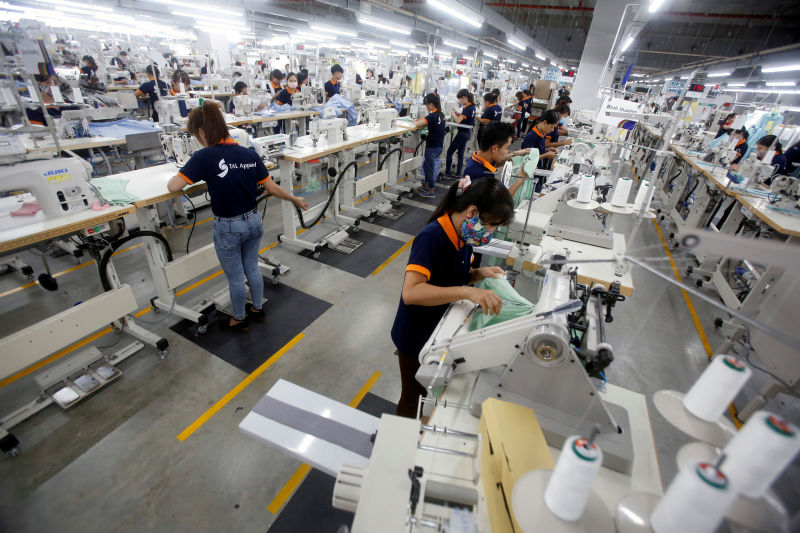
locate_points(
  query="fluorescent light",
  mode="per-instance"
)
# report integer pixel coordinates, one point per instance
(654, 5)
(199, 7)
(512, 61)
(332, 30)
(384, 26)
(768, 91)
(401, 44)
(540, 57)
(785, 68)
(718, 74)
(489, 54)
(459, 11)
(372, 44)
(736, 84)
(455, 44)
(76, 4)
(515, 42)
(628, 42)
(780, 84)
(230, 23)
(526, 65)
(685, 77)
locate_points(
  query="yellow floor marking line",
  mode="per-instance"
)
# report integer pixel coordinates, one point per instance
(392, 258)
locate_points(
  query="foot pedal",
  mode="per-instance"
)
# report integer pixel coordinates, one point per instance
(347, 246)
(386, 210)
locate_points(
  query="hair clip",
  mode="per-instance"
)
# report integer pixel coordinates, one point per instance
(463, 185)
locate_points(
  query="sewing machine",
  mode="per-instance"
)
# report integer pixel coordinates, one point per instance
(61, 185)
(580, 154)
(271, 145)
(242, 105)
(175, 110)
(304, 99)
(755, 170)
(180, 145)
(329, 130)
(551, 215)
(217, 83)
(383, 119)
(531, 361)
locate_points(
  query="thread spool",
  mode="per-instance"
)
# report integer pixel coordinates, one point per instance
(586, 188)
(697, 500)
(569, 488)
(759, 452)
(641, 194)
(716, 388)
(621, 192)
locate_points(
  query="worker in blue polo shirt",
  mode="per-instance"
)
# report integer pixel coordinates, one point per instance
(232, 173)
(459, 143)
(148, 88)
(493, 143)
(492, 112)
(333, 86)
(434, 143)
(551, 140)
(535, 138)
(740, 136)
(439, 273)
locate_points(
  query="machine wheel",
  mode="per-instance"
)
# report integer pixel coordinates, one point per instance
(275, 281)
(201, 329)
(699, 283)
(689, 270)
(28, 271)
(163, 354)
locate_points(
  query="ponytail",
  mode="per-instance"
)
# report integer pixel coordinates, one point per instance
(463, 93)
(490, 196)
(433, 99)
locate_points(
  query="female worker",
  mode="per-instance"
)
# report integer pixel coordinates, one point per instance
(740, 138)
(233, 191)
(519, 112)
(89, 66)
(148, 88)
(725, 125)
(459, 142)
(535, 138)
(285, 96)
(178, 77)
(552, 139)
(491, 112)
(778, 160)
(439, 272)
(434, 143)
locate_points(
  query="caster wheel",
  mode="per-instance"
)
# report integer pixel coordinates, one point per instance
(28, 271)
(718, 322)
(671, 235)
(355, 229)
(274, 282)
(315, 255)
(662, 218)
(29, 278)
(689, 270)
(163, 354)
(699, 283)
(116, 329)
(13, 452)
(201, 330)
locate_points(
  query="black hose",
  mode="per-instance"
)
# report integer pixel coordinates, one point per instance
(417, 148)
(194, 223)
(103, 263)
(330, 197)
(380, 163)
(675, 177)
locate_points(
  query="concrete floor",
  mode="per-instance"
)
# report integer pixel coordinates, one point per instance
(113, 463)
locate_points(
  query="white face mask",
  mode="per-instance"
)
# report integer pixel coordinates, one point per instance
(293, 85)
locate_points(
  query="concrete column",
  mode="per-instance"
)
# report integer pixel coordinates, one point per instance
(605, 22)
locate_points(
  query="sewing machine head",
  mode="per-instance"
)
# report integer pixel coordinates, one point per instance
(382, 119)
(219, 84)
(271, 145)
(242, 105)
(332, 130)
(60, 185)
(786, 185)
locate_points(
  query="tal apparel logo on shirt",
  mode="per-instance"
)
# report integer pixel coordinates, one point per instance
(223, 167)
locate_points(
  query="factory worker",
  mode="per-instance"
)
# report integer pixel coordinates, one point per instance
(275, 86)
(473, 87)
(148, 88)
(232, 173)
(519, 111)
(493, 143)
(206, 69)
(435, 122)
(551, 140)
(459, 143)
(535, 138)
(792, 158)
(725, 125)
(370, 74)
(762, 147)
(287, 70)
(333, 86)
(178, 77)
(88, 66)
(491, 111)
(740, 138)
(439, 272)
(302, 79)
(240, 88)
(285, 96)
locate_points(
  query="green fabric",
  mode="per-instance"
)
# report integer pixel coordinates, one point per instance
(113, 190)
(514, 305)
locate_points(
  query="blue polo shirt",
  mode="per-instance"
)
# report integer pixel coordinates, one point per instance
(741, 149)
(332, 88)
(493, 113)
(149, 88)
(534, 139)
(468, 113)
(780, 160)
(439, 254)
(435, 122)
(285, 96)
(232, 173)
(478, 168)
(553, 135)
(792, 156)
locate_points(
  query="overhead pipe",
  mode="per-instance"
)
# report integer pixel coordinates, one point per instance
(785, 48)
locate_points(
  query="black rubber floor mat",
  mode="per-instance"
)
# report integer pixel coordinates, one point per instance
(374, 250)
(411, 221)
(309, 509)
(439, 193)
(289, 312)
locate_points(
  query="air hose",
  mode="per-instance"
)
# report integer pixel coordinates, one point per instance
(331, 173)
(106, 257)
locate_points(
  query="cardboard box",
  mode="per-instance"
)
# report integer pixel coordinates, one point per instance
(543, 89)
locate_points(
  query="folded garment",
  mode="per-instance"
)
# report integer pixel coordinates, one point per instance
(113, 190)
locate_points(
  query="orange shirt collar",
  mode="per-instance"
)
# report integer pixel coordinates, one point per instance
(488, 166)
(279, 86)
(447, 225)
(334, 82)
(228, 141)
(741, 142)
(536, 130)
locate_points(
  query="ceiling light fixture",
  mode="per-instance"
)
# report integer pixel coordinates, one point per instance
(392, 27)
(785, 68)
(628, 42)
(455, 44)
(718, 74)
(516, 42)
(459, 11)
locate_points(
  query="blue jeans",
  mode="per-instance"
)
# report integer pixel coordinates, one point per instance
(459, 144)
(429, 165)
(237, 240)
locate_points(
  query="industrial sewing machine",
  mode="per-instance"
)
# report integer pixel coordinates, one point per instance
(271, 145)
(60, 185)
(180, 145)
(242, 105)
(535, 361)
(304, 99)
(580, 154)
(217, 83)
(329, 130)
(383, 119)
(175, 109)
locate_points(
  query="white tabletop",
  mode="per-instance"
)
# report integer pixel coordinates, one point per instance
(356, 136)
(77, 144)
(234, 120)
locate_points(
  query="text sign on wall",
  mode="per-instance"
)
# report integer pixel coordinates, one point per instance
(615, 105)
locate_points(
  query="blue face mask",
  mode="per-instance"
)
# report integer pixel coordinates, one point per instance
(473, 232)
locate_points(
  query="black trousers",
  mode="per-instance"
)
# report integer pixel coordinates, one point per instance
(411, 389)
